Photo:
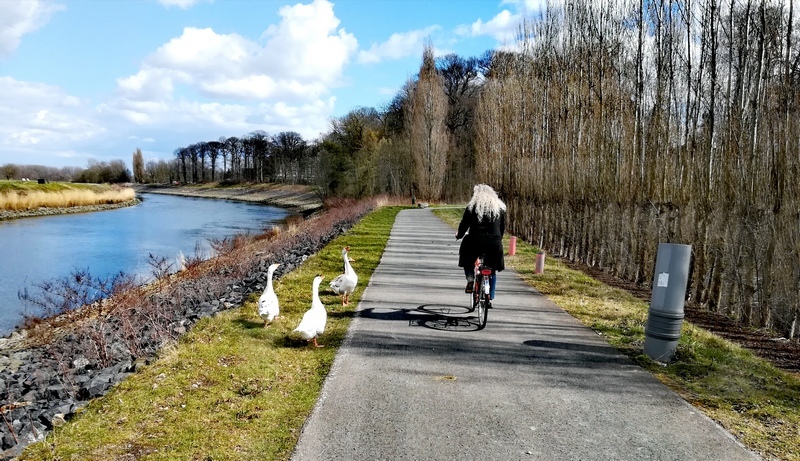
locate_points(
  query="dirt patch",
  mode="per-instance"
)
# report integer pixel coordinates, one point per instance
(782, 353)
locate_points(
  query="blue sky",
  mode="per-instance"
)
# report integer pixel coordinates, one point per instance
(84, 80)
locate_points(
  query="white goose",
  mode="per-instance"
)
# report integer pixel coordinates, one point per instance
(181, 260)
(314, 320)
(344, 284)
(268, 307)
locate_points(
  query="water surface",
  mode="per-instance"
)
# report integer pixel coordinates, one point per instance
(39, 249)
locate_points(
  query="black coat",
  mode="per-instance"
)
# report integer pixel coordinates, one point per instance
(484, 237)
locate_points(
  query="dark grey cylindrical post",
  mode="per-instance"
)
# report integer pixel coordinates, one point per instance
(663, 329)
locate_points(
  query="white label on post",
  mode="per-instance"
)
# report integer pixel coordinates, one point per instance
(663, 279)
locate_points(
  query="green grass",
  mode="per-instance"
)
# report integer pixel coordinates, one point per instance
(28, 186)
(748, 396)
(229, 389)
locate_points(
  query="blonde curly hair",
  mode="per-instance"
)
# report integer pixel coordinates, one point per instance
(485, 202)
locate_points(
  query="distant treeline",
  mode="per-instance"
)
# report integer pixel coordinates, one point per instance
(112, 172)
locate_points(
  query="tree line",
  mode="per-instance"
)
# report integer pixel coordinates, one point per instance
(609, 127)
(624, 124)
(419, 144)
(114, 171)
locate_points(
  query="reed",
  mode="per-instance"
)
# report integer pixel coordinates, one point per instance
(19, 200)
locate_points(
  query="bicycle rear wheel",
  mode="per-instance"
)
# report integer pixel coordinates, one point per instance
(482, 305)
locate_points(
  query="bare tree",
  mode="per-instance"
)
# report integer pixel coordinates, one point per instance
(214, 148)
(461, 77)
(289, 148)
(9, 170)
(182, 155)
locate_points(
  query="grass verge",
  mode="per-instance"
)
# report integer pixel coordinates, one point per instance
(749, 397)
(229, 389)
(28, 195)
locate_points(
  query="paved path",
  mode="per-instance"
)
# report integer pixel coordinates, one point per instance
(412, 383)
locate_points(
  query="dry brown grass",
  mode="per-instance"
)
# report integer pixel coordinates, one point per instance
(30, 200)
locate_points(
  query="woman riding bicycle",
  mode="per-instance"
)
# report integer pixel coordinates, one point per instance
(485, 219)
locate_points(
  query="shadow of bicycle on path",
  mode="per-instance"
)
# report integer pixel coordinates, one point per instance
(446, 317)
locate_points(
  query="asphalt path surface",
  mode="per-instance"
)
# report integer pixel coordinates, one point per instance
(415, 379)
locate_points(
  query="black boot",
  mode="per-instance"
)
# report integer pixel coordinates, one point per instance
(470, 285)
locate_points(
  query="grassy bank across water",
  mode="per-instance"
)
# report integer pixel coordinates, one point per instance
(28, 195)
(297, 198)
(757, 403)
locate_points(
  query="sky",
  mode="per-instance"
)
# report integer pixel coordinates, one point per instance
(94, 80)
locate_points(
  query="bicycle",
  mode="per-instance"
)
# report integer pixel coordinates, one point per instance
(480, 298)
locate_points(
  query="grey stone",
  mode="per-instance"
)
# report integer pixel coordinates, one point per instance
(56, 392)
(80, 362)
(59, 419)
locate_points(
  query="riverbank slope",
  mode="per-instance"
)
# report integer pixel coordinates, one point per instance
(51, 369)
(296, 198)
(22, 199)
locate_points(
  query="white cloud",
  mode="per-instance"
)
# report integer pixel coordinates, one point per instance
(254, 86)
(227, 84)
(203, 52)
(502, 28)
(199, 85)
(307, 45)
(133, 137)
(37, 114)
(398, 46)
(148, 84)
(526, 6)
(387, 91)
(44, 125)
(182, 4)
(18, 18)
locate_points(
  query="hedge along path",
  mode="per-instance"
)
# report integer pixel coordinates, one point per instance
(229, 389)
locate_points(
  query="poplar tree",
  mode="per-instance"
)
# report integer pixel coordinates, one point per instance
(138, 166)
(428, 132)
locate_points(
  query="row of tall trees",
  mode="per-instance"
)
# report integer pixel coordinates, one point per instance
(257, 157)
(623, 124)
